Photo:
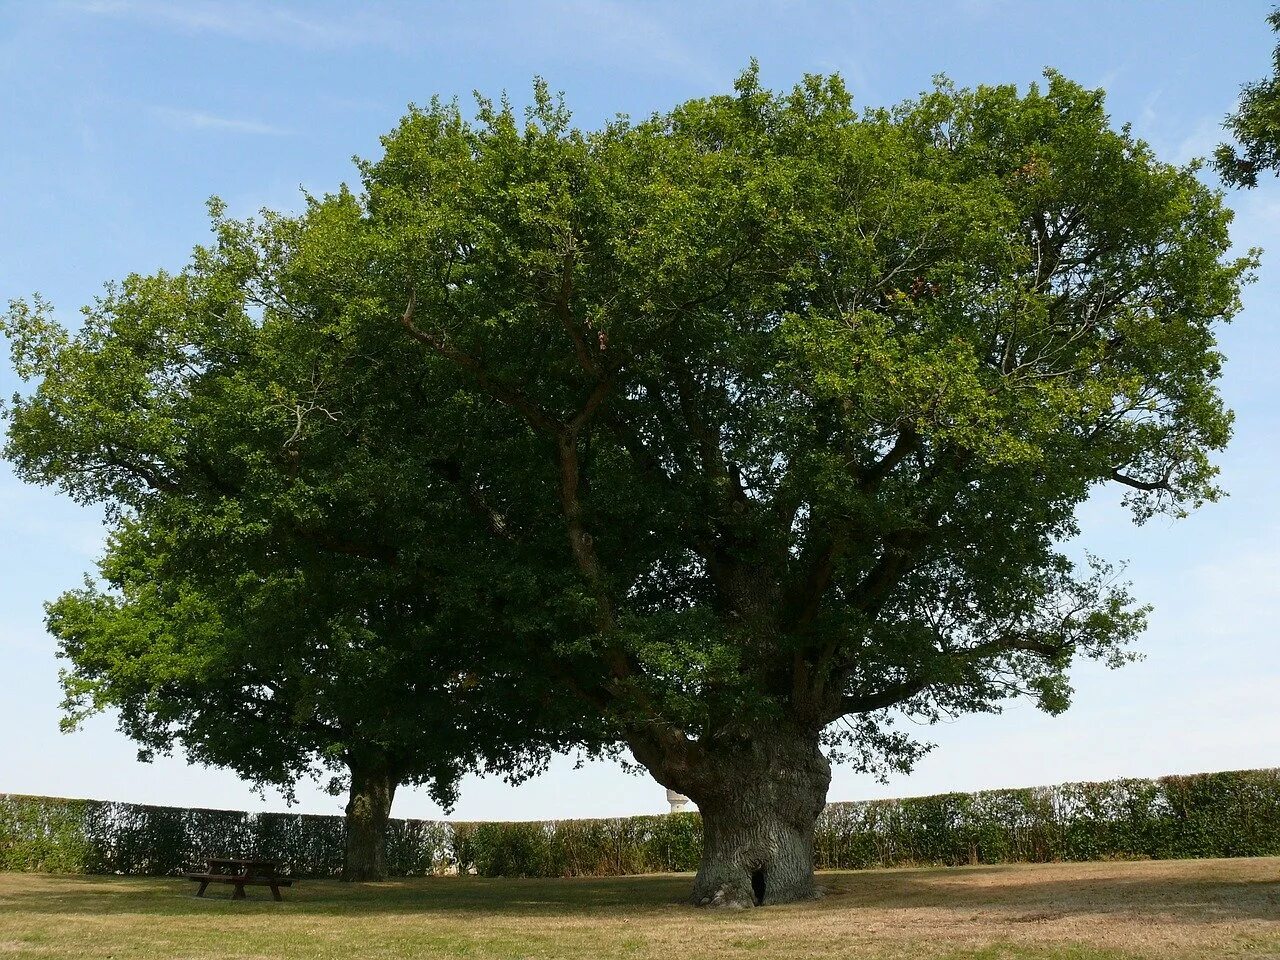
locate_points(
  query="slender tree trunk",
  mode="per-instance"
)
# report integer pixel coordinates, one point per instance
(373, 788)
(759, 800)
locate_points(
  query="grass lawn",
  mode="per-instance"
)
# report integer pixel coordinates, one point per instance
(1187, 908)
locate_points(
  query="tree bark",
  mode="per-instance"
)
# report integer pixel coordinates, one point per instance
(373, 788)
(759, 801)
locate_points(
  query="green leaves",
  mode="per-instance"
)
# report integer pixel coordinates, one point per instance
(756, 411)
(857, 374)
(270, 598)
(1255, 126)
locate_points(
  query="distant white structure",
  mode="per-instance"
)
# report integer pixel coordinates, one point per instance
(678, 801)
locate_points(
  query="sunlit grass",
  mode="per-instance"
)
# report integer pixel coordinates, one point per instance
(1205, 908)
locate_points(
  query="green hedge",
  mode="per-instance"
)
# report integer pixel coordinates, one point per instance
(1207, 815)
(55, 835)
(1231, 814)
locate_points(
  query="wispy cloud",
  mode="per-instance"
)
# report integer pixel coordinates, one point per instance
(1201, 141)
(613, 27)
(198, 120)
(44, 522)
(1174, 137)
(979, 8)
(610, 30)
(255, 21)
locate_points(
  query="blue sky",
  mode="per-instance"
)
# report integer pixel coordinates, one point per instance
(121, 116)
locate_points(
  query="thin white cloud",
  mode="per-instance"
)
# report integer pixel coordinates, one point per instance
(198, 120)
(541, 37)
(31, 515)
(1200, 142)
(979, 8)
(253, 21)
(1238, 594)
(610, 26)
(603, 29)
(1149, 117)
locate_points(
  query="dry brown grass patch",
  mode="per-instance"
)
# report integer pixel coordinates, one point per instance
(1089, 911)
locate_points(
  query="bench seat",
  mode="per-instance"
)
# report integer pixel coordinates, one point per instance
(240, 881)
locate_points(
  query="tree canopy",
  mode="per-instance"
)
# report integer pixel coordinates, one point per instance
(1255, 126)
(234, 613)
(747, 423)
(284, 669)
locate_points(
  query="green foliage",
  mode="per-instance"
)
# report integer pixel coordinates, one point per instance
(256, 604)
(724, 425)
(580, 848)
(1255, 126)
(47, 834)
(1231, 814)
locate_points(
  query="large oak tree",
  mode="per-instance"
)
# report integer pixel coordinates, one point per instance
(764, 417)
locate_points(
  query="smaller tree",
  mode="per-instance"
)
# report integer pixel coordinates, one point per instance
(280, 674)
(1255, 126)
(266, 601)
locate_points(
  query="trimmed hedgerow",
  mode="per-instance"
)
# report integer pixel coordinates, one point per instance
(1207, 815)
(1231, 814)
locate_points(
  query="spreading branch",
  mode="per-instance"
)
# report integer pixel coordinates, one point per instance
(510, 396)
(889, 696)
(1162, 484)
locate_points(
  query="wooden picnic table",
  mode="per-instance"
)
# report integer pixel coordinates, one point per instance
(241, 872)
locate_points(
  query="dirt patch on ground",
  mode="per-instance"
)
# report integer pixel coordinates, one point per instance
(1165, 909)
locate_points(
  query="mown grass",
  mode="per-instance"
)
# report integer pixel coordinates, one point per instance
(1095, 911)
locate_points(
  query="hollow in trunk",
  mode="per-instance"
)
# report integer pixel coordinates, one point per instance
(759, 800)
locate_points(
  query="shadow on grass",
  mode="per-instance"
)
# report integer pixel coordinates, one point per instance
(166, 896)
(1029, 895)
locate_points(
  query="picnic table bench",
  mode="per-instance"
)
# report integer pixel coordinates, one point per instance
(241, 873)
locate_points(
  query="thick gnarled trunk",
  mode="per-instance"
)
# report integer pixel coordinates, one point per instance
(759, 802)
(373, 789)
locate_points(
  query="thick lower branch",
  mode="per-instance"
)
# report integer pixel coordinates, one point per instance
(882, 699)
(1146, 485)
(503, 393)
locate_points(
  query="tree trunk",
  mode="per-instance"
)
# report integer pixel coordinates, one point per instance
(759, 802)
(368, 810)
